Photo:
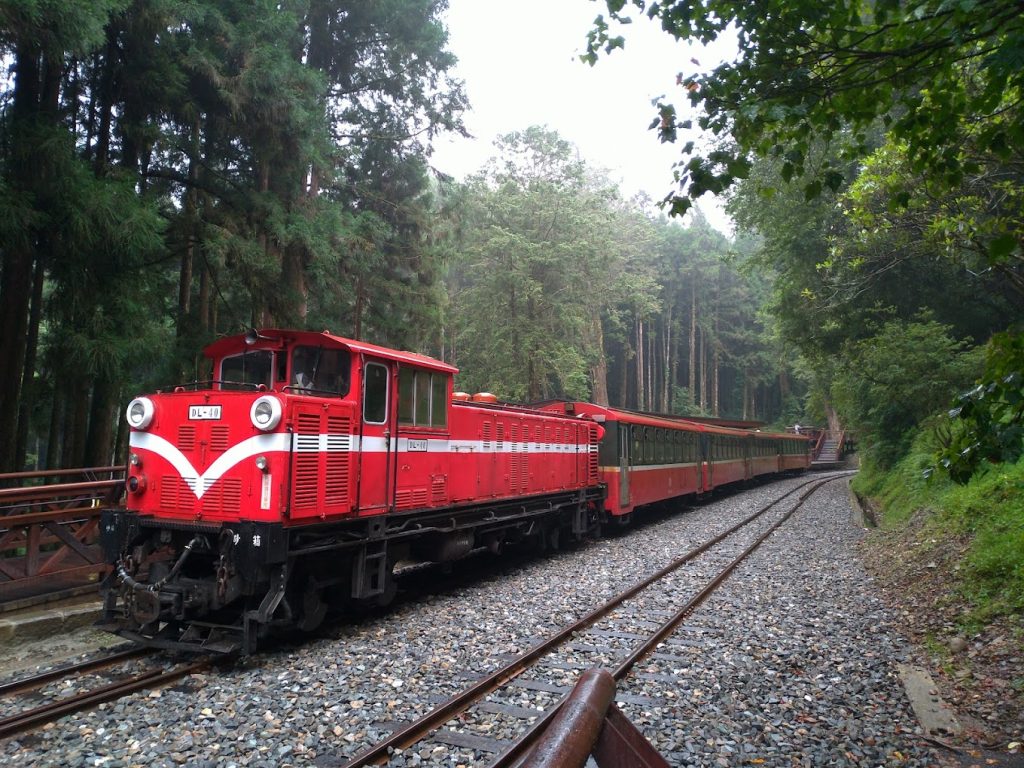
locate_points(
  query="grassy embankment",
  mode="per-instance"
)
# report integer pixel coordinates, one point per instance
(984, 519)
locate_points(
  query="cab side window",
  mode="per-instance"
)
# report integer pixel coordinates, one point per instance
(319, 371)
(422, 398)
(248, 370)
(375, 393)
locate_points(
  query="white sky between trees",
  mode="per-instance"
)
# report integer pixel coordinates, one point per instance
(520, 62)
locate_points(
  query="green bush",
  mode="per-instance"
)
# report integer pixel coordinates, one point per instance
(989, 509)
(893, 381)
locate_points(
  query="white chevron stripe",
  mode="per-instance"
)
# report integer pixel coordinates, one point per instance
(201, 483)
(259, 444)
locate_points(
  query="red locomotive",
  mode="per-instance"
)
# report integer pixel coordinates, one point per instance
(311, 464)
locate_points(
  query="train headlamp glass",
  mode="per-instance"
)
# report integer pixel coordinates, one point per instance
(265, 413)
(140, 412)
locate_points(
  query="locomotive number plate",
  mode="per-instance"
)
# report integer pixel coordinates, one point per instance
(203, 412)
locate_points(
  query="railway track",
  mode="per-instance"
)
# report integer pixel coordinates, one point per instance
(128, 681)
(615, 635)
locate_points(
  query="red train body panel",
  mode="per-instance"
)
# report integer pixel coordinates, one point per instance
(203, 459)
(310, 464)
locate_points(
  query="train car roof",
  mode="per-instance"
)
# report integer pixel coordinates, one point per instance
(270, 338)
(655, 420)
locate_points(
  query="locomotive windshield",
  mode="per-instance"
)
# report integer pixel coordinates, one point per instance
(319, 371)
(248, 370)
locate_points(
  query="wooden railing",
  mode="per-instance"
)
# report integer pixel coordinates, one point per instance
(49, 531)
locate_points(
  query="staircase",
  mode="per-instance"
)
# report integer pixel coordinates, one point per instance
(830, 449)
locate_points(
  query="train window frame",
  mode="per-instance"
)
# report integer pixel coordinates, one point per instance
(383, 405)
(254, 354)
(331, 374)
(422, 398)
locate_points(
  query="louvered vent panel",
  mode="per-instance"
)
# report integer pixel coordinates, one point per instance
(305, 494)
(439, 490)
(501, 438)
(336, 483)
(186, 438)
(411, 498)
(219, 436)
(487, 436)
(523, 454)
(514, 470)
(225, 497)
(592, 458)
(175, 495)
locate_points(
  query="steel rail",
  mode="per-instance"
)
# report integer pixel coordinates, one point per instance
(443, 712)
(520, 748)
(51, 711)
(37, 681)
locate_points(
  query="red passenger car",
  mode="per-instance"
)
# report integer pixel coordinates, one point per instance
(647, 459)
(305, 469)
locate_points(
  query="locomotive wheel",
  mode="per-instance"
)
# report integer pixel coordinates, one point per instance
(313, 609)
(553, 538)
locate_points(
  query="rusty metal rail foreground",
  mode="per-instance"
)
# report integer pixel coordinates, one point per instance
(49, 532)
(590, 724)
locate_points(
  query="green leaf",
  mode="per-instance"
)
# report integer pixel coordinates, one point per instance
(1001, 247)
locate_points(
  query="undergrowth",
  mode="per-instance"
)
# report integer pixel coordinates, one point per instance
(989, 510)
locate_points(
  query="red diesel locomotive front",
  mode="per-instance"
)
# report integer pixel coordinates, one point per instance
(306, 469)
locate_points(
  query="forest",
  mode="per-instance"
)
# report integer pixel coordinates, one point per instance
(174, 171)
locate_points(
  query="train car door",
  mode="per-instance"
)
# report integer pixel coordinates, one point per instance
(421, 469)
(624, 448)
(376, 439)
(706, 463)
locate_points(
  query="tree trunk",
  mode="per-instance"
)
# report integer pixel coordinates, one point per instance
(53, 440)
(624, 376)
(16, 275)
(99, 445)
(77, 425)
(666, 356)
(640, 388)
(599, 370)
(716, 362)
(692, 378)
(188, 257)
(746, 394)
(832, 417)
(703, 361)
(28, 388)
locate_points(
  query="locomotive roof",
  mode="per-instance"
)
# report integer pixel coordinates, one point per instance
(268, 336)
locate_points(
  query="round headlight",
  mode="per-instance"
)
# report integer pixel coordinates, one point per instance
(140, 412)
(265, 413)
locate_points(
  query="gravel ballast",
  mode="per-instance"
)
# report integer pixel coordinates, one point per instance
(793, 662)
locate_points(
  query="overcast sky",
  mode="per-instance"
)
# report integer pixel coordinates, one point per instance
(520, 62)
